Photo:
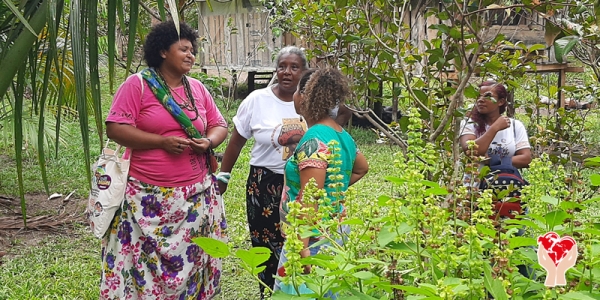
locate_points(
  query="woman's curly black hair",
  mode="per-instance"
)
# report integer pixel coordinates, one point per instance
(162, 36)
(478, 118)
(322, 90)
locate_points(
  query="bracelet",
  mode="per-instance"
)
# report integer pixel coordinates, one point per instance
(210, 145)
(224, 177)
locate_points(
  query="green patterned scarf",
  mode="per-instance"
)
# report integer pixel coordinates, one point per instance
(166, 99)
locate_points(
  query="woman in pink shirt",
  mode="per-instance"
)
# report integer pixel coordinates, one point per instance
(169, 123)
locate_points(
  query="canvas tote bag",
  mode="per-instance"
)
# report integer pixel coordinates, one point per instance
(109, 180)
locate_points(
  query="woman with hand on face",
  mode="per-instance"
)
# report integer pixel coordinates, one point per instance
(502, 140)
(170, 197)
(318, 92)
(488, 128)
(269, 116)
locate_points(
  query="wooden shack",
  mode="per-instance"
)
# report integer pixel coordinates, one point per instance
(236, 35)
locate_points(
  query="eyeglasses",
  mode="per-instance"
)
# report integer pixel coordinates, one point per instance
(489, 96)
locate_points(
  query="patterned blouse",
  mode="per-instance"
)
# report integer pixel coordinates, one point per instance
(319, 148)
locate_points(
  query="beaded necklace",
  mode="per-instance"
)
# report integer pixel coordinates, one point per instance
(188, 104)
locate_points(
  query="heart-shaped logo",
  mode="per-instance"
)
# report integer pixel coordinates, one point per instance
(556, 246)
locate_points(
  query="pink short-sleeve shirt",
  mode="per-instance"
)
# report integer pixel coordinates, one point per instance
(144, 111)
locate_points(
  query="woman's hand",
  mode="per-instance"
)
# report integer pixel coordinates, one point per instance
(200, 146)
(501, 123)
(175, 144)
(222, 187)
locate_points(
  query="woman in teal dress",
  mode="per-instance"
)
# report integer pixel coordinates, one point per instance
(318, 92)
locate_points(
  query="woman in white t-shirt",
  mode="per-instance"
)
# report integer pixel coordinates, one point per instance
(269, 116)
(502, 140)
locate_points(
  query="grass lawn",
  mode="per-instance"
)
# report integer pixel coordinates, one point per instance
(65, 263)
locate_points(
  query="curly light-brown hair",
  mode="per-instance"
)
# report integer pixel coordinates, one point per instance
(325, 88)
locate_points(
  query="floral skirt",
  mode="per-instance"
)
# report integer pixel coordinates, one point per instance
(148, 251)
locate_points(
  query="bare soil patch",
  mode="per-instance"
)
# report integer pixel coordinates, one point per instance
(45, 217)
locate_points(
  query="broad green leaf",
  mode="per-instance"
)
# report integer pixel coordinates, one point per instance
(383, 199)
(524, 222)
(395, 180)
(580, 296)
(415, 290)
(595, 179)
(430, 183)
(563, 46)
(258, 269)
(519, 241)
(253, 258)
(438, 191)
(408, 247)
(595, 199)
(420, 95)
(555, 218)
(341, 3)
(592, 231)
(592, 162)
(487, 231)
(212, 247)
(386, 235)
(484, 171)
(493, 286)
(566, 205)
(367, 41)
(471, 92)
(536, 47)
(551, 32)
(550, 200)
(364, 275)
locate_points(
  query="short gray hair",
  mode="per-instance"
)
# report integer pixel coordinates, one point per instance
(292, 50)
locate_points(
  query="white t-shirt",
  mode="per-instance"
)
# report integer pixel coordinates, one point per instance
(506, 142)
(275, 126)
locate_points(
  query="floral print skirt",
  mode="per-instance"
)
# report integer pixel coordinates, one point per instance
(148, 251)
(263, 195)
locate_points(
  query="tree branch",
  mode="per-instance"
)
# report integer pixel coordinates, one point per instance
(457, 96)
(150, 11)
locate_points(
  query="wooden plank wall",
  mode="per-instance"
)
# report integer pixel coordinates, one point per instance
(251, 45)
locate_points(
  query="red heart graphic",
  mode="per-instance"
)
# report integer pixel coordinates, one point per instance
(557, 247)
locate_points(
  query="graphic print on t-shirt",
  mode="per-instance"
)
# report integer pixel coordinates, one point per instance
(499, 153)
(292, 130)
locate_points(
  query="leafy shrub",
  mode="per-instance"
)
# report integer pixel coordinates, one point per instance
(436, 241)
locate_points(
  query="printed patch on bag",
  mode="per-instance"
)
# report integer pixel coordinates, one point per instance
(104, 182)
(102, 179)
(98, 209)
